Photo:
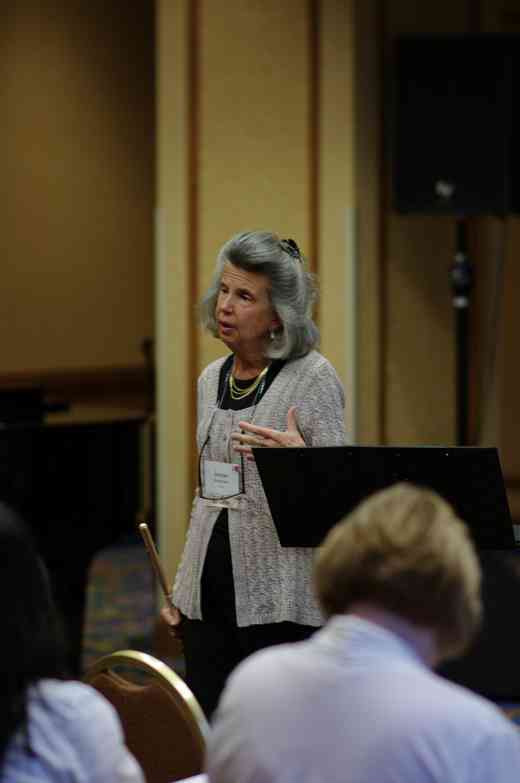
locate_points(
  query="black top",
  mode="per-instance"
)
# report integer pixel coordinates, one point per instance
(217, 588)
(226, 401)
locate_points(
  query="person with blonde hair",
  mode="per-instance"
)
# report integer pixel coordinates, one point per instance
(399, 582)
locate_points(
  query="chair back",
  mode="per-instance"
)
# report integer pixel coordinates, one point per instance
(163, 723)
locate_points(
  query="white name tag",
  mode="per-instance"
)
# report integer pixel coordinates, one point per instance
(220, 479)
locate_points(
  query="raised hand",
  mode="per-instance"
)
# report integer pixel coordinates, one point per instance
(252, 436)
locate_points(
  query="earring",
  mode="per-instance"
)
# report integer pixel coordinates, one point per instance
(272, 334)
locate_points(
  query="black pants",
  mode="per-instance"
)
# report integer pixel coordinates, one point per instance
(212, 651)
(215, 645)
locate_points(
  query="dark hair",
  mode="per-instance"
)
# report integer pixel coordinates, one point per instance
(32, 645)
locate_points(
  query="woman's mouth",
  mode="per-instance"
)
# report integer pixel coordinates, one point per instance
(225, 327)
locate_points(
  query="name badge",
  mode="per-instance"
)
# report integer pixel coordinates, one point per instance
(220, 479)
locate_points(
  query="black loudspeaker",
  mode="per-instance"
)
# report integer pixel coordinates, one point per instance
(454, 124)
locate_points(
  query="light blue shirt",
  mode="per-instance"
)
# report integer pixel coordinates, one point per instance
(355, 704)
(74, 736)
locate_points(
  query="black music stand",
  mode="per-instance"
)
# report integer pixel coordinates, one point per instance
(310, 489)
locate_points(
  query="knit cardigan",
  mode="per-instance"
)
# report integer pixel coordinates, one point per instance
(272, 583)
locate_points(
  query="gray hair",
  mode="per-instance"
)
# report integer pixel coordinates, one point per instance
(292, 290)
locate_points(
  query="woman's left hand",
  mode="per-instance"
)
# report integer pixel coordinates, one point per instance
(255, 437)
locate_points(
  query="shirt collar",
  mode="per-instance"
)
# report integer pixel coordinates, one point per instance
(350, 636)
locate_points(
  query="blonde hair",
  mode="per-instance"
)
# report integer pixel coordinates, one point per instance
(405, 550)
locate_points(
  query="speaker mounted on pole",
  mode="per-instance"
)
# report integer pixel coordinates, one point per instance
(454, 124)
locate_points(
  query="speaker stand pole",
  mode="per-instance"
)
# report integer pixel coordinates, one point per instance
(461, 283)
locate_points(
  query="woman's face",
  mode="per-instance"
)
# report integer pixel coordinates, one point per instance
(244, 313)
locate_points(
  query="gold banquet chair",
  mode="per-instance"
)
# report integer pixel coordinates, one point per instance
(163, 723)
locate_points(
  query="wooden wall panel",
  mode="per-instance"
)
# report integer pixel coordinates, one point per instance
(240, 118)
(417, 321)
(253, 136)
(77, 223)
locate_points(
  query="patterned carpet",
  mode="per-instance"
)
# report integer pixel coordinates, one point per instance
(122, 607)
(121, 611)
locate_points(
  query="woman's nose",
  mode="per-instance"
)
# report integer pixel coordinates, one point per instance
(225, 302)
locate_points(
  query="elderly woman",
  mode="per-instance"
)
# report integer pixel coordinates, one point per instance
(237, 590)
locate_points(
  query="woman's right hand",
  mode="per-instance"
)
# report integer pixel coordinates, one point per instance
(173, 619)
(252, 436)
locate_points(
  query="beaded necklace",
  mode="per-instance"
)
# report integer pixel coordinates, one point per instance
(239, 393)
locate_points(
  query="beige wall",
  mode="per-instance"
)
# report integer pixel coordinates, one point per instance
(498, 274)
(418, 356)
(77, 227)
(338, 215)
(418, 342)
(174, 312)
(253, 130)
(404, 364)
(257, 133)
(251, 135)
(406, 326)
(269, 115)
